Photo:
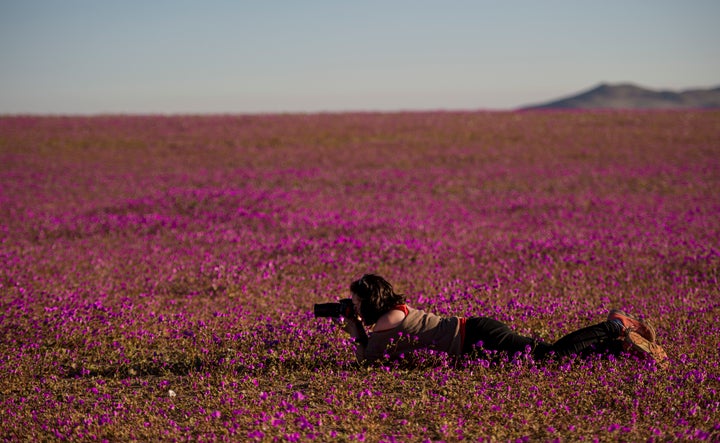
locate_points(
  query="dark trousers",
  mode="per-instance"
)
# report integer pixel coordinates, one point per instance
(483, 333)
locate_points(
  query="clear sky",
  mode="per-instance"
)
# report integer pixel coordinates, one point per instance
(242, 56)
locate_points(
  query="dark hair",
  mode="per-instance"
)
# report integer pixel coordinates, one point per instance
(376, 297)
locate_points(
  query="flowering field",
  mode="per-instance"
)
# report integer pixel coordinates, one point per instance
(157, 274)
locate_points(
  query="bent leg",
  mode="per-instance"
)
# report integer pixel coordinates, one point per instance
(595, 339)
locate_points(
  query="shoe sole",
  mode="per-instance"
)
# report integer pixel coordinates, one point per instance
(641, 345)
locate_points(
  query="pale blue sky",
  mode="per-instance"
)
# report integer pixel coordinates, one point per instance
(176, 56)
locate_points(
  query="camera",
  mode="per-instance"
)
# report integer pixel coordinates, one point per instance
(344, 308)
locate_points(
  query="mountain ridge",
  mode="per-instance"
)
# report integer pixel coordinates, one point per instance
(632, 96)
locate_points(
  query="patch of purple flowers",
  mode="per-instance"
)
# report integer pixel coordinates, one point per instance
(157, 274)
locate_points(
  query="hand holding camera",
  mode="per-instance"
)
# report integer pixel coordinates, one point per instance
(342, 314)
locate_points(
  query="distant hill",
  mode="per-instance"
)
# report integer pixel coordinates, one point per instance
(629, 96)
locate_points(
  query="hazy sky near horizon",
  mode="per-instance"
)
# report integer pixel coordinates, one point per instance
(177, 56)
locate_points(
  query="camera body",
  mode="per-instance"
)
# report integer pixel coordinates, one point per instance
(344, 308)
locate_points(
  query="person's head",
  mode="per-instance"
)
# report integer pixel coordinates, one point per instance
(376, 297)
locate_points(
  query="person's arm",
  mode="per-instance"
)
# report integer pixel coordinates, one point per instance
(355, 328)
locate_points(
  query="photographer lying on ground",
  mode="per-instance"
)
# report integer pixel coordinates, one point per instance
(398, 330)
